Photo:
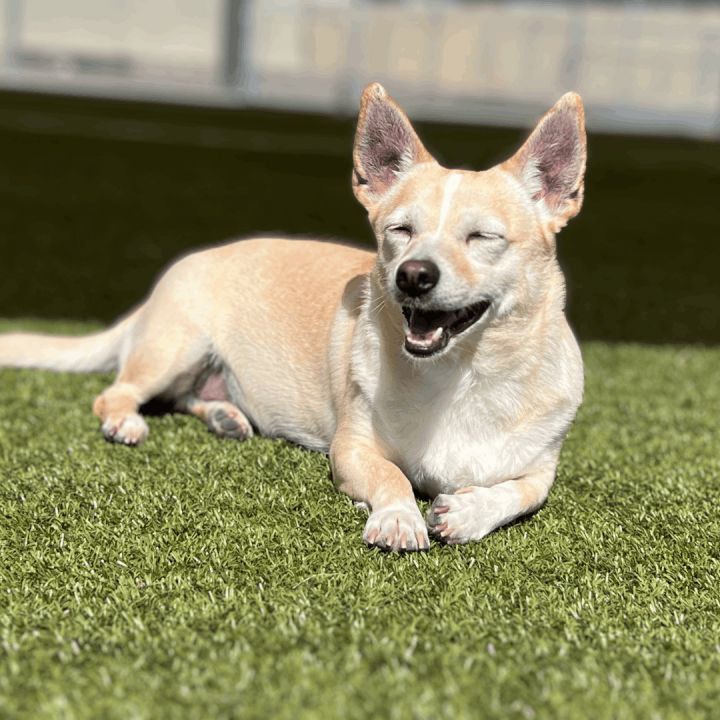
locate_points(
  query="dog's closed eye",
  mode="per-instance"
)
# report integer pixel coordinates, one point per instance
(484, 235)
(400, 230)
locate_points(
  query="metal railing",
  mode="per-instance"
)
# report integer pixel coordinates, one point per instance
(641, 67)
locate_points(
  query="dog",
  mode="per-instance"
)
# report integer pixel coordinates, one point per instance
(441, 364)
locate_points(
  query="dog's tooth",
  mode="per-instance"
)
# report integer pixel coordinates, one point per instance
(436, 335)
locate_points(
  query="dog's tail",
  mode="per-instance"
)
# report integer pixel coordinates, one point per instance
(99, 352)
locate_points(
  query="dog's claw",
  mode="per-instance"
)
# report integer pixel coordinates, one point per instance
(403, 541)
(423, 542)
(128, 430)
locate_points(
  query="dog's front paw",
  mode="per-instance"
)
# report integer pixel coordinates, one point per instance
(469, 514)
(398, 527)
(128, 429)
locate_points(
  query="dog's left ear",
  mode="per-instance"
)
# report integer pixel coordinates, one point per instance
(551, 163)
(386, 146)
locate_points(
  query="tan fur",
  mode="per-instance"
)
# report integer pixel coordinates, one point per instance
(531, 492)
(309, 340)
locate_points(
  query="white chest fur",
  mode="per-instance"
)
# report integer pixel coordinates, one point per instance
(450, 425)
(446, 436)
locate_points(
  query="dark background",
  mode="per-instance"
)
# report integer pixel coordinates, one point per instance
(96, 197)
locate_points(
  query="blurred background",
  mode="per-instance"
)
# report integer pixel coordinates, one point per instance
(133, 131)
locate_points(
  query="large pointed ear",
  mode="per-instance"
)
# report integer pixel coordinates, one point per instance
(551, 163)
(386, 146)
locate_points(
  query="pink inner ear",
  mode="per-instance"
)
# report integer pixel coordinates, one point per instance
(387, 144)
(556, 154)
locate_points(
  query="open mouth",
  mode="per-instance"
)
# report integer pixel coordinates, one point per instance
(429, 331)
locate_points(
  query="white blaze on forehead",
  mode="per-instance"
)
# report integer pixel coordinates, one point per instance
(451, 185)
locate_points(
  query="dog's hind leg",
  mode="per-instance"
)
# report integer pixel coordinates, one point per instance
(209, 401)
(164, 360)
(117, 409)
(222, 417)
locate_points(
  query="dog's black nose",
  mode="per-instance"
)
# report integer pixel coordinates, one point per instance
(416, 277)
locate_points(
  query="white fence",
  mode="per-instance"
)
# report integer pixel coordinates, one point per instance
(641, 67)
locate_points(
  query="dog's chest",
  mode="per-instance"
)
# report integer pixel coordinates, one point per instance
(449, 438)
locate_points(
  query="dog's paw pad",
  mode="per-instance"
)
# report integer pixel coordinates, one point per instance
(398, 527)
(126, 430)
(227, 421)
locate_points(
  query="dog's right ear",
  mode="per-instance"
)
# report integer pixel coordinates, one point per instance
(386, 146)
(551, 163)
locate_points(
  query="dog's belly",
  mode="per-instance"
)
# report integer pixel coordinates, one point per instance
(281, 331)
(287, 420)
(276, 408)
(214, 387)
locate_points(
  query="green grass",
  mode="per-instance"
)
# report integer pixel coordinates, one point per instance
(197, 577)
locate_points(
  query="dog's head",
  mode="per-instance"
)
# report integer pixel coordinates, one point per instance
(458, 248)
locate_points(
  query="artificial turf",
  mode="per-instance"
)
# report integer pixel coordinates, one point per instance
(197, 577)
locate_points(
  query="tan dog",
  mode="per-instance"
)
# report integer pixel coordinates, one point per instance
(443, 363)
